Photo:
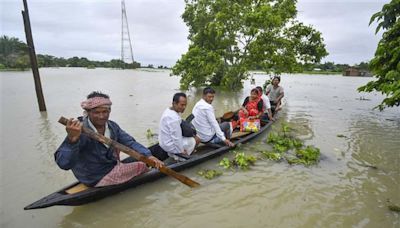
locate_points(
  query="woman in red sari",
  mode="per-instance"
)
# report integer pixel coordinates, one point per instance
(252, 107)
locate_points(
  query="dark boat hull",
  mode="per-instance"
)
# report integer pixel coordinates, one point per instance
(92, 194)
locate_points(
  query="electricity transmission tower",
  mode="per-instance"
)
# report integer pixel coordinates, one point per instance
(126, 44)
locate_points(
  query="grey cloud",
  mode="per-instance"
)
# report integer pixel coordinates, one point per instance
(91, 28)
(344, 26)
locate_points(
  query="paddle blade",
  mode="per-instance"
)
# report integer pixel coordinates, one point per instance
(184, 179)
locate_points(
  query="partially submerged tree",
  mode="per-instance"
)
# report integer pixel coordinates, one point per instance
(386, 64)
(230, 37)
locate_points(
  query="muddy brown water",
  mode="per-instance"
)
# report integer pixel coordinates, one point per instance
(352, 186)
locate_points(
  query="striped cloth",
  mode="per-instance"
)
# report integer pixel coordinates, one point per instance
(122, 173)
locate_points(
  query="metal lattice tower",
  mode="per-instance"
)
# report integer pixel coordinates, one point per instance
(126, 44)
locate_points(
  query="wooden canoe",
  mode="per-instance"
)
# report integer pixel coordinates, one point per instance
(78, 194)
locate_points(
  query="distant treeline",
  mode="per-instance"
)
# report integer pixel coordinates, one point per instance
(332, 67)
(327, 67)
(14, 55)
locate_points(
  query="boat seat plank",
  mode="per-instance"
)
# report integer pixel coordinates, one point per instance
(77, 188)
(239, 134)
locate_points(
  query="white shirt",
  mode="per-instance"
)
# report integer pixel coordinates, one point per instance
(205, 122)
(106, 131)
(266, 103)
(170, 132)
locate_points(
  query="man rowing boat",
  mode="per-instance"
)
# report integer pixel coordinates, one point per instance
(94, 163)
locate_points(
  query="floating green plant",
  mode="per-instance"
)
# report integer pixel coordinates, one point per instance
(310, 155)
(284, 142)
(297, 143)
(209, 173)
(341, 136)
(240, 160)
(244, 161)
(285, 129)
(273, 137)
(272, 155)
(393, 207)
(226, 163)
(149, 133)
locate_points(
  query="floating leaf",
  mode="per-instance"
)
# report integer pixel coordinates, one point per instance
(209, 173)
(225, 163)
(149, 133)
(272, 155)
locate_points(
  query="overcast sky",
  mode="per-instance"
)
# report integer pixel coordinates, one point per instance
(92, 28)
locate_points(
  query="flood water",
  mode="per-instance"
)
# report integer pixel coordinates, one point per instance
(357, 178)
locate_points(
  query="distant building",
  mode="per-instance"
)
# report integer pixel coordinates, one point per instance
(353, 71)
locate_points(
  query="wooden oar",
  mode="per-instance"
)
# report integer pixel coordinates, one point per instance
(164, 169)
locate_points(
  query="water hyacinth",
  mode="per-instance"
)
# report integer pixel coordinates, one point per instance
(209, 173)
(310, 155)
(241, 160)
(275, 156)
(285, 142)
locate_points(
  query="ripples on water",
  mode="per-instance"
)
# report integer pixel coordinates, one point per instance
(350, 186)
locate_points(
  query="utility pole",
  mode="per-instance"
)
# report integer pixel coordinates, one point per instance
(32, 57)
(125, 36)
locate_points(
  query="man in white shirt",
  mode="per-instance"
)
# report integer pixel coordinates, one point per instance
(170, 133)
(207, 127)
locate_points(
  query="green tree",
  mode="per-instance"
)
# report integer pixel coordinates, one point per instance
(230, 37)
(386, 63)
(11, 51)
(22, 62)
(116, 63)
(363, 65)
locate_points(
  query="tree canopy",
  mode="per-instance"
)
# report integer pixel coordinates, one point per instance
(230, 37)
(13, 53)
(386, 64)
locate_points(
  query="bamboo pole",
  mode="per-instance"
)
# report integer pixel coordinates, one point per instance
(32, 57)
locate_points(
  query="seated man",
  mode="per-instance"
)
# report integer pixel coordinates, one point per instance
(275, 93)
(94, 163)
(266, 106)
(208, 129)
(170, 135)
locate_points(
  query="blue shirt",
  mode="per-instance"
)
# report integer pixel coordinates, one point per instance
(91, 160)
